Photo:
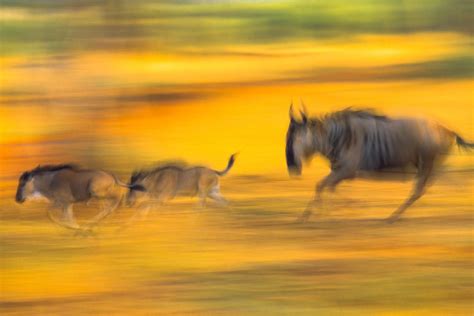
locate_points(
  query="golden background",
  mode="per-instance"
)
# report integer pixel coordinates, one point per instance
(119, 85)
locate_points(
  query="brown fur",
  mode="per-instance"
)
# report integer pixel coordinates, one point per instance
(360, 141)
(166, 182)
(65, 185)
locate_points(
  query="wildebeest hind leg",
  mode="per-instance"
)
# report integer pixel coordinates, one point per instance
(216, 196)
(107, 210)
(423, 176)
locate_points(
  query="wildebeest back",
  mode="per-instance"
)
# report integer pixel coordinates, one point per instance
(73, 184)
(388, 144)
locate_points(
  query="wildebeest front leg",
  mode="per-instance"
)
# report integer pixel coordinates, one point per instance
(69, 216)
(202, 200)
(141, 213)
(68, 221)
(331, 181)
(423, 176)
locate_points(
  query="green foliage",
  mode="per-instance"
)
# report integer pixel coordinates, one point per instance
(55, 26)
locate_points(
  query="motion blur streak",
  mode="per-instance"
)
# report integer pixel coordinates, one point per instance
(119, 85)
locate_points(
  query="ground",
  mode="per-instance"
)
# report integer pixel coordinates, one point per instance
(252, 257)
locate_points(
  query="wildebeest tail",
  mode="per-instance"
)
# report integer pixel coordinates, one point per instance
(135, 186)
(462, 143)
(229, 165)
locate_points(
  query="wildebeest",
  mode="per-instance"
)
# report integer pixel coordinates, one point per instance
(358, 141)
(66, 184)
(167, 181)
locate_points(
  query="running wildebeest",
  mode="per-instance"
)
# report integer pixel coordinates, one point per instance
(66, 184)
(358, 141)
(165, 182)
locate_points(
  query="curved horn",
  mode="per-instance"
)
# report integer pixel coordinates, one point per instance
(303, 112)
(292, 115)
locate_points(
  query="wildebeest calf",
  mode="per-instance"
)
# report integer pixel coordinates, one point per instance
(66, 184)
(165, 182)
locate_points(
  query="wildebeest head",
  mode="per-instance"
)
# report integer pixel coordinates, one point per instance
(28, 181)
(137, 191)
(301, 141)
(25, 187)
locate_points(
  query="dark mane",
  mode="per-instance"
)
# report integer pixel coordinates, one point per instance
(355, 113)
(141, 174)
(361, 142)
(345, 126)
(50, 168)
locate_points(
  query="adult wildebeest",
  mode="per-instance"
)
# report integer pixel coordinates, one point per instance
(165, 182)
(66, 184)
(355, 141)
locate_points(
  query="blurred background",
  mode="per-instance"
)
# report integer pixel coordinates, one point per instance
(120, 84)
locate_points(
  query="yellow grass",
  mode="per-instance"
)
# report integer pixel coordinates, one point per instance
(121, 111)
(251, 257)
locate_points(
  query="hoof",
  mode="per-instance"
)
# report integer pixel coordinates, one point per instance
(121, 229)
(85, 232)
(199, 207)
(300, 220)
(392, 219)
(303, 218)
